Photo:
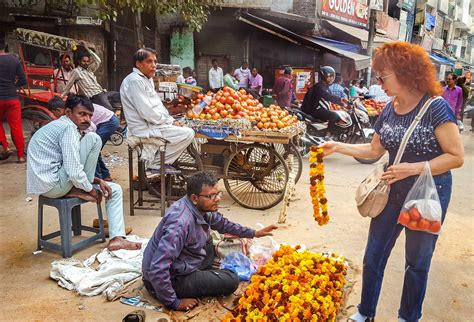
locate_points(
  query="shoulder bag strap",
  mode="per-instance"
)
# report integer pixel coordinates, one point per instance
(410, 130)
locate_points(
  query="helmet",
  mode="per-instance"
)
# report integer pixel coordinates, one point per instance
(326, 71)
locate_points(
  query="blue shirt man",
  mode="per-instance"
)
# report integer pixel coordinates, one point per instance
(177, 262)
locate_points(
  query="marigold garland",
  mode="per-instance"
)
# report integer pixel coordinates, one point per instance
(295, 286)
(317, 189)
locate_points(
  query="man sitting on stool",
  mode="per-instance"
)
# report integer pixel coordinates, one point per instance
(177, 262)
(146, 115)
(62, 161)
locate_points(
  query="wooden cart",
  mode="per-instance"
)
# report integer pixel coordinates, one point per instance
(253, 166)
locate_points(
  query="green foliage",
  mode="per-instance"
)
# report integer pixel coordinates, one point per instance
(193, 12)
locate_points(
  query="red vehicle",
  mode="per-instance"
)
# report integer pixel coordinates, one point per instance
(38, 53)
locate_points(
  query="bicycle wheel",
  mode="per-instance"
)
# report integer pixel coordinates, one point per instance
(255, 176)
(32, 121)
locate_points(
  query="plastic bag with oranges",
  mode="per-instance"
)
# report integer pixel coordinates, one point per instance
(422, 209)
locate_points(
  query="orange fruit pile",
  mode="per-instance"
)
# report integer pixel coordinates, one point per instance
(230, 104)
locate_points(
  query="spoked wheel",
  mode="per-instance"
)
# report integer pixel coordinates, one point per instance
(189, 161)
(116, 138)
(285, 150)
(187, 164)
(32, 121)
(255, 176)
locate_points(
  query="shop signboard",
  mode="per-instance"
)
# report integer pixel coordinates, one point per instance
(350, 12)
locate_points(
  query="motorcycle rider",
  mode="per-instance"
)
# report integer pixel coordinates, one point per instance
(316, 102)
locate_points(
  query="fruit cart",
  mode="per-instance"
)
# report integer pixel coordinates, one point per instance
(252, 163)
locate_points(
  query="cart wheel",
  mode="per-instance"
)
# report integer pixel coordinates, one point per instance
(116, 138)
(189, 161)
(32, 121)
(255, 176)
(285, 150)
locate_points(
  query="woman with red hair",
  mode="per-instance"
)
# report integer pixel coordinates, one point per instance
(406, 73)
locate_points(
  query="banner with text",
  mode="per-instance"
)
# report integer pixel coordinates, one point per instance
(350, 12)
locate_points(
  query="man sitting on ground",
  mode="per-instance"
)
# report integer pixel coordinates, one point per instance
(62, 162)
(177, 262)
(146, 115)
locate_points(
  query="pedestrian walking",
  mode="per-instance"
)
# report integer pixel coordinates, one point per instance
(453, 94)
(283, 88)
(405, 72)
(12, 77)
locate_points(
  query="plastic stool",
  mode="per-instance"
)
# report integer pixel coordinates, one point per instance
(69, 210)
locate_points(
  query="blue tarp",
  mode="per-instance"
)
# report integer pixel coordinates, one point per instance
(340, 44)
(441, 60)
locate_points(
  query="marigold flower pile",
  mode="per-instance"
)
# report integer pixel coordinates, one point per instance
(317, 189)
(293, 286)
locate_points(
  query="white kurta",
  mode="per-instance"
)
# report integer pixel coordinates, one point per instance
(147, 117)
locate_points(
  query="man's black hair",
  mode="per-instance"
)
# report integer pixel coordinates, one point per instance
(64, 56)
(55, 103)
(354, 81)
(82, 54)
(76, 100)
(198, 180)
(453, 76)
(142, 54)
(187, 70)
(214, 60)
(287, 71)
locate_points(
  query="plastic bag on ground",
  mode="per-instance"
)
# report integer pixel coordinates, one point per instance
(261, 251)
(422, 209)
(239, 264)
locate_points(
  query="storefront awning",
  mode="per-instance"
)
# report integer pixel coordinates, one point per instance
(360, 61)
(440, 60)
(355, 33)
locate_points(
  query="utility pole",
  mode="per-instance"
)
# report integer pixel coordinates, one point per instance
(370, 43)
(138, 29)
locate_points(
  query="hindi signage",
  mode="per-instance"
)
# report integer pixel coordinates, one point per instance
(350, 12)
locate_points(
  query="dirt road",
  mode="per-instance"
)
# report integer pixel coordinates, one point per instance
(28, 294)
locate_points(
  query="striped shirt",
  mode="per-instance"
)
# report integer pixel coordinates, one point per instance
(85, 78)
(54, 146)
(422, 145)
(177, 246)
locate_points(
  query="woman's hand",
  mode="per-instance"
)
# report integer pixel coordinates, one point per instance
(328, 147)
(401, 171)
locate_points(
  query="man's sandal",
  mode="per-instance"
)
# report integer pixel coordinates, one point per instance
(135, 316)
(5, 154)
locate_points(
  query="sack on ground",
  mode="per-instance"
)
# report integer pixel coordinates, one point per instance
(422, 209)
(239, 264)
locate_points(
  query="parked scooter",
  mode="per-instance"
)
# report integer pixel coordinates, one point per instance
(353, 127)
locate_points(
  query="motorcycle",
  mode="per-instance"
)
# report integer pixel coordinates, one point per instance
(353, 127)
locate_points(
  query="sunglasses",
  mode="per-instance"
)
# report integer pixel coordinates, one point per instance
(213, 196)
(381, 78)
(448, 79)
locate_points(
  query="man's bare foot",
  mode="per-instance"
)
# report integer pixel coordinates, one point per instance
(117, 243)
(75, 192)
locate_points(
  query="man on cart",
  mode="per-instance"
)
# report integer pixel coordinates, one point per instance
(83, 76)
(146, 115)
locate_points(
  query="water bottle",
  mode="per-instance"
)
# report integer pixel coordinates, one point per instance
(197, 109)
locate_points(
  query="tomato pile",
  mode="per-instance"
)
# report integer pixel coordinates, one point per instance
(413, 220)
(334, 107)
(230, 104)
(373, 107)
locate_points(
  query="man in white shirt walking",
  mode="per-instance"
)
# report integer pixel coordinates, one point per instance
(62, 161)
(216, 76)
(146, 115)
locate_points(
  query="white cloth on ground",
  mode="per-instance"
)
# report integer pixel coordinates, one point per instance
(114, 270)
